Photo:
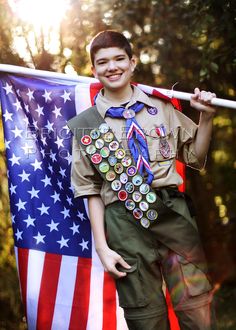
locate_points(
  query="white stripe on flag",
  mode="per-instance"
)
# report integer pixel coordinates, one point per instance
(121, 323)
(34, 276)
(65, 293)
(82, 97)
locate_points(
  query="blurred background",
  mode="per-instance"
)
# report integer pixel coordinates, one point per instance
(192, 42)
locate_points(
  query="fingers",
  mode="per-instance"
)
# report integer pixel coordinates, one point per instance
(123, 263)
(114, 272)
(203, 96)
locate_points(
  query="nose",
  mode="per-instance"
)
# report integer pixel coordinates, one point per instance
(111, 66)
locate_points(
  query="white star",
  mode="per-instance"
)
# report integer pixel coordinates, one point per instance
(39, 238)
(8, 88)
(57, 111)
(39, 110)
(84, 244)
(53, 225)
(8, 116)
(69, 158)
(30, 94)
(62, 172)
(75, 228)
(47, 181)
(29, 221)
(47, 96)
(17, 105)
(49, 126)
(59, 142)
(12, 189)
(66, 96)
(43, 139)
(52, 156)
(14, 160)
(66, 128)
(56, 197)
(50, 168)
(18, 234)
(26, 120)
(36, 165)
(26, 107)
(7, 144)
(66, 212)
(24, 176)
(33, 193)
(35, 123)
(21, 205)
(59, 183)
(28, 149)
(81, 216)
(43, 209)
(63, 242)
(17, 132)
(13, 218)
(42, 152)
(69, 200)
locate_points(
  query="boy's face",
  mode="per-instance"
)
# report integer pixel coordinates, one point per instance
(113, 68)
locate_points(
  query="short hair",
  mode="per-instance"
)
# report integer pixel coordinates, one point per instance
(107, 39)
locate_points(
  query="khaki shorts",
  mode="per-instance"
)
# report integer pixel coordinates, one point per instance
(140, 292)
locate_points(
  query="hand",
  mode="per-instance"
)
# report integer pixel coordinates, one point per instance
(109, 259)
(201, 100)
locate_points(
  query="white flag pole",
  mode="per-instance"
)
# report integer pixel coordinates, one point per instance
(81, 79)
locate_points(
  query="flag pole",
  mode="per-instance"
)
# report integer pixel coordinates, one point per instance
(87, 80)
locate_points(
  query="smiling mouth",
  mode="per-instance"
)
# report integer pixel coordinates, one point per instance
(114, 77)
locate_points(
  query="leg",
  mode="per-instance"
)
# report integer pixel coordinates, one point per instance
(140, 292)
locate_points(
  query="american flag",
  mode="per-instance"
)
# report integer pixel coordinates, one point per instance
(63, 284)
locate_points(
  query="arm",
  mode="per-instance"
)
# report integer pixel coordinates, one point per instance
(201, 102)
(108, 257)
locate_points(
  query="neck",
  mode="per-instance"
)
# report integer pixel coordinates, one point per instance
(119, 96)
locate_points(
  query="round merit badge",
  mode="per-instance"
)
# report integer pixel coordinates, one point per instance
(99, 143)
(122, 195)
(137, 213)
(118, 168)
(91, 149)
(151, 197)
(116, 185)
(112, 160)
(129, 187)
(96, 158)
(128, 113)
(152, 110)
(86, 140)
(126, 161)
(120, 153)
(103, 128)
(143, 206)
(144, 188)
(152, 215)
(131, 170)
(137, 197)
(110, 175)
(137, 180)
(145, 222)
(95, 133)
(104, 167)
(108, 137)
(113, 145)
(123, 178)
(130, 204)
(104, 152)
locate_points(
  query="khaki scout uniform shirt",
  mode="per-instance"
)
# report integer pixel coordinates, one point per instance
(180, 134)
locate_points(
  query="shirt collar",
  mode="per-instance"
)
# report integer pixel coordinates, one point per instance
(103, 104)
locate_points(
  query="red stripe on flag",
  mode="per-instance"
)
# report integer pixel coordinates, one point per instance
(174, 324)
(94, 89)
(23, 255)
(48, 290)
(109, 303)
(80, 305)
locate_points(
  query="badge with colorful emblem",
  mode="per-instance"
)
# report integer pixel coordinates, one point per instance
(151, 197)
(116, 185)
(95, 133)
(137, 180)
(108, 137)
(137, 213)
(110, 175)
(103, 128)
(104, 167)
(90, 149)
(130, 204)
(129, 187)
(120, 153)
(112, 160)
(137, 196)
(113, 145)
(99, 143)
(145, 222)
(118, 168)
(123, 178)
(144, 188)
(152, 110)
(126, 161)
(86, 140)
(152, 215)
(164, 147)
(143, 206)
(96, 158)
(104, 152)
(122, 195)
(128, 113)
(131, 170)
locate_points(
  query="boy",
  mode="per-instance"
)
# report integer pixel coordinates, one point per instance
(124, 153)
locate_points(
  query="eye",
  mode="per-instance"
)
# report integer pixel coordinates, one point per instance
(120, 58)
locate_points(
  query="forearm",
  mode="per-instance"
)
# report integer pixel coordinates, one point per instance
(203, 137)
(96, 214)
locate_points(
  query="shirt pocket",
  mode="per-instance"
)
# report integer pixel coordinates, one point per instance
(161, 148)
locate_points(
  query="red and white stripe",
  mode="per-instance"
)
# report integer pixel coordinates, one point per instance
(134, 127)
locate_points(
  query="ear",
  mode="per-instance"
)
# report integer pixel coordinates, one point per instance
(133, 62)
(94, 71)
